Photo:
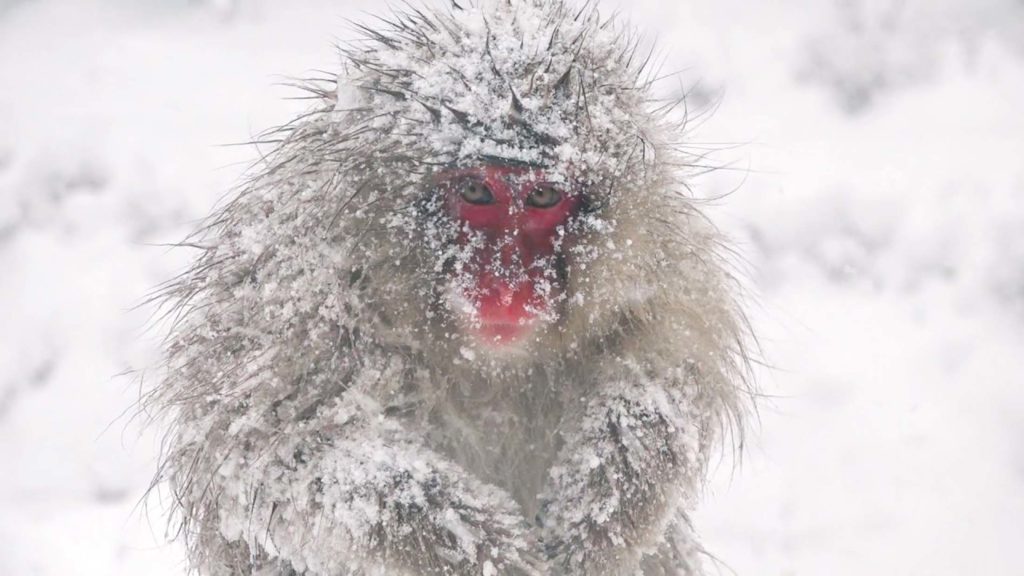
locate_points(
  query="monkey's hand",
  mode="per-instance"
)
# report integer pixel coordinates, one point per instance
(629, 461)
(352, 492)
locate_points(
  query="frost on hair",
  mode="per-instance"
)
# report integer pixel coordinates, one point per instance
(328, 410)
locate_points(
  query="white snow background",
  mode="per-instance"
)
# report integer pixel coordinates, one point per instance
(874, 184)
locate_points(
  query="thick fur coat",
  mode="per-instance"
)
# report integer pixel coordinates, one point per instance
(327, 416)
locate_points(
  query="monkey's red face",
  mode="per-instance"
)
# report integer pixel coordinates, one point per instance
(512, 232)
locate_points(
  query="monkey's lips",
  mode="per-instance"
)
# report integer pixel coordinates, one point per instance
(502, 332)
(500, 322)
(502, 315)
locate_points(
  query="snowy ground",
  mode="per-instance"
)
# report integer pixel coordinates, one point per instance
(879, 204)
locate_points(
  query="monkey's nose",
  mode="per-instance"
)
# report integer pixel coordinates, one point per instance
(504, 292)
(511, 253)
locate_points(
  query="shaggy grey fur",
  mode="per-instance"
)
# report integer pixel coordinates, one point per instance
(328, 417)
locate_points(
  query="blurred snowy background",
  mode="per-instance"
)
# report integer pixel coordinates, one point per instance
(877, 153)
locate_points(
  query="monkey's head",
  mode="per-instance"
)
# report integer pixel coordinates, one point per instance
(489, 179)
(509, 182)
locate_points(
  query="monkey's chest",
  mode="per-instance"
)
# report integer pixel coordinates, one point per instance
(511, 445)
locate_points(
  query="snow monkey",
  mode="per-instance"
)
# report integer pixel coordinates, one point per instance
(464, 319)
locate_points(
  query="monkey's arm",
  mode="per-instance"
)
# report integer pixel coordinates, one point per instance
(628, 463)
(352, 492)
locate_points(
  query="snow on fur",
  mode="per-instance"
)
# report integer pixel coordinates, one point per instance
(328, 417)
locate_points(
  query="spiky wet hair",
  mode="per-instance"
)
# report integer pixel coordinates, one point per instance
(325, 273)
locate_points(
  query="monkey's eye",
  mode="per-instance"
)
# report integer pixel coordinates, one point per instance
(544, 196)
(475, 192)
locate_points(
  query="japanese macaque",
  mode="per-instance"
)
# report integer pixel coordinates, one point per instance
(465, 319)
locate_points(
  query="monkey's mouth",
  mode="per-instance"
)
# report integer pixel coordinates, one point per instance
(498, 322)
(500, 332)
(499, 316)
